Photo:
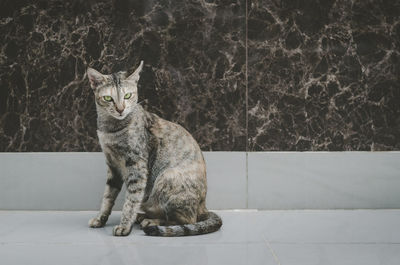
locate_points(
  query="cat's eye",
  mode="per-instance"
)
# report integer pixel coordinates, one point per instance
(107, 98)
(128, 96)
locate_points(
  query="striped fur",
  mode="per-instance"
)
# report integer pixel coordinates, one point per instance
(159, 162)
(211, 224)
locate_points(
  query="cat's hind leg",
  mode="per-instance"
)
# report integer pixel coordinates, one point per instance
(140, 217)
(181, 212)
(177, 193)
(151, 222)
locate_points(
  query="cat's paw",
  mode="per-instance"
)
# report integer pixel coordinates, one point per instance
(149, 222)
(96, 222)
(121, 230)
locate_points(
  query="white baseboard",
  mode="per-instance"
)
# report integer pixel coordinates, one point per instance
(75, 181)
(274, 180)
(324, 180)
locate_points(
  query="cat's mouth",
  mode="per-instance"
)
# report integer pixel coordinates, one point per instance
(120, 116)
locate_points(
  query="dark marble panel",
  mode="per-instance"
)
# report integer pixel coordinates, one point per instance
(194, 53)
(324, 75)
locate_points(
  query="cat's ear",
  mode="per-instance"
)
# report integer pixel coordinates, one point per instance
(135, 76)
(95, 77)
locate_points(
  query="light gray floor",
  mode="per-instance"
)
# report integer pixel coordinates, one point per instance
(248, 237)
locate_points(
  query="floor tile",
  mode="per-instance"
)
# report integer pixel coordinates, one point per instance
(247, 237)
(338, 226)
(337, 254)
(43, 254)
(63, 227)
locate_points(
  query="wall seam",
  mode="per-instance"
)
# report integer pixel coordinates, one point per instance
(247, 107)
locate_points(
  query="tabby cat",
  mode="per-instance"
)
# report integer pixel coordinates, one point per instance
(159, 161)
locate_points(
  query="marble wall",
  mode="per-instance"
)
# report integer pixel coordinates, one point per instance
(239, 75)
(324, 75)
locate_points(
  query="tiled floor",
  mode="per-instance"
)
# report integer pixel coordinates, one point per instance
(248, 237)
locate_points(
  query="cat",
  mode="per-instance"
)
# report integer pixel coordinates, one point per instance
(160, 163)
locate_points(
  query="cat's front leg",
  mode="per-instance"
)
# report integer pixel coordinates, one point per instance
(135, 189)
(111, 191)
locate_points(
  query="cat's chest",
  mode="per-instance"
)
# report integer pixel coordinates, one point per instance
(121, 140)
(121, 147)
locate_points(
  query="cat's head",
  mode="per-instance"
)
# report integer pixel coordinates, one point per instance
(115, 94)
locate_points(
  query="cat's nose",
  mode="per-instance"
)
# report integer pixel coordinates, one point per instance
(119, 110)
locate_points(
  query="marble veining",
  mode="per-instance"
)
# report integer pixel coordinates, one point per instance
(321, 74)
(324, 75)
(194, 53)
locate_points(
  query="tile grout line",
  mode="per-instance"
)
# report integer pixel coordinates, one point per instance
(334, 243)
(247, 180)
(272, 251)
(247, 108)
(247, 79)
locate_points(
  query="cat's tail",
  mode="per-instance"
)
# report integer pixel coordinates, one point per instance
(211, 224)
